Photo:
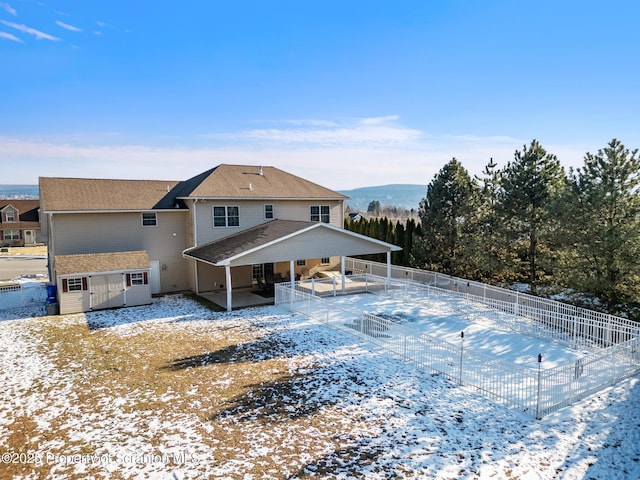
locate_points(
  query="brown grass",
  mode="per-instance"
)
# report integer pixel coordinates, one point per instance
(157, 370)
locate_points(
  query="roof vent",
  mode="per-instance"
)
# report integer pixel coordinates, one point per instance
(261, 171)
(250, 187)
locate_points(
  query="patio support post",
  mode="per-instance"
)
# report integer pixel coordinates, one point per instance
(227, 271)
(389, 264)
(342, 272)
(292, 273)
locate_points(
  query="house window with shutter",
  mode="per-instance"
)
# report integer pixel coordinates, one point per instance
(11, 235)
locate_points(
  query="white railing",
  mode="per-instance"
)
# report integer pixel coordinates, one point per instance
(537, 392)
(567, 320)
(18, 295)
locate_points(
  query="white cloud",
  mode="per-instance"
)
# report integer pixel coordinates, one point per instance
(375, 131)
(337, 166)
(8, 8)
(31, 31)
(11, 37)
(68, 27)
(378, 120)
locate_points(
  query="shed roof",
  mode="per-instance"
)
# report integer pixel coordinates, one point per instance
(101, 262)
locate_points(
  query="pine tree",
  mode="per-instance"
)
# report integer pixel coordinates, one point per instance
(443, 213)
(603, 227)
(487, 242)
(529, 184)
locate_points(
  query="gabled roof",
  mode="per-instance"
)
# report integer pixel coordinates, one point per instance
(222, 182)
(101, 262)
(27, 210)
(91, 194)
(249, 182)
(319, 240)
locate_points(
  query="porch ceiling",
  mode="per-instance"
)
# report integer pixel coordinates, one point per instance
(284, 240)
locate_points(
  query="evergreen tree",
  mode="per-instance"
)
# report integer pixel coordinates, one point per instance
(443, 214)
(399, 240)
(529, 184)
(603, 227)
(488, 245)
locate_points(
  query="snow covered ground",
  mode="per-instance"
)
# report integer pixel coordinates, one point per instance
(337, 408)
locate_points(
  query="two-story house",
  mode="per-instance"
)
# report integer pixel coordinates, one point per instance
(19, 222)
(116, 242)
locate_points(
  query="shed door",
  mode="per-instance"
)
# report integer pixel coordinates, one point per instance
(107, 291)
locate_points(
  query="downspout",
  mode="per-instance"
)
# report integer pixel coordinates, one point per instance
(51, 251)
(195, 244)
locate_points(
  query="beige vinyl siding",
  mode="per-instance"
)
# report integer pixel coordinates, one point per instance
(252, 214)
(212, 278)
(113, 232)
(75, 301)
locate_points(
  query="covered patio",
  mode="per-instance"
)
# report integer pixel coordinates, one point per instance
(272, 242)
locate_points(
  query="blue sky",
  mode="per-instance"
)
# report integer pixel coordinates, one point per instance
(344, 93)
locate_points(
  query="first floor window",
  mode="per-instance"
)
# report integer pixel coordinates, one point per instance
(301, 263)
(227, 216)
(149, 220)
(257, 271)
(320, 213)
(12, 234)
(325, 260)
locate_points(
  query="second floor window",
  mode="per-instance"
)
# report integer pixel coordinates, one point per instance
(228, 216)
(320, 213)
(10, 216)
(268, 212)
(149, 220)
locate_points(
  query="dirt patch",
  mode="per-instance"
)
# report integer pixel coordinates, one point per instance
(154, 386)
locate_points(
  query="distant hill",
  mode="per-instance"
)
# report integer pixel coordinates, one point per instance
(399, 195)
(19, 191)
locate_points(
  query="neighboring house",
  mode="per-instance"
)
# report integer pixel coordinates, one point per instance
(19, 222)
(356, 216)
(231, 227)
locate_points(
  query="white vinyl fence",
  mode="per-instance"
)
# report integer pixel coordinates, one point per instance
(536, 392)
(22, 295)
